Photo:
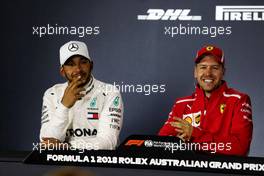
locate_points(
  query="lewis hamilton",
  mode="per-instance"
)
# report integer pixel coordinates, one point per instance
(83, 112)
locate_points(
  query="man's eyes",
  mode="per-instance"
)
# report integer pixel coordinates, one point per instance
(84, 61)
(73, 64)
(213, 67)
(216, 67)
(202, 67)
(70, 64)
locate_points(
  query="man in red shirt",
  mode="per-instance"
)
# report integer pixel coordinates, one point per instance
(214, 113)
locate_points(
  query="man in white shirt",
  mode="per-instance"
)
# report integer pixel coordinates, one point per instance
(83, 112)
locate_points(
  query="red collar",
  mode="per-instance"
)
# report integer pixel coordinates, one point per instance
(216, 93)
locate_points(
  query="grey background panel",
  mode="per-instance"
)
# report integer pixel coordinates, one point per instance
(126, 51)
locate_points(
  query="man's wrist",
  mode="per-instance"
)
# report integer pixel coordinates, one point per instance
(66, 105)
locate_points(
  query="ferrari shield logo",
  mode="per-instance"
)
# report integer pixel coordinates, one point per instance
(222, 108)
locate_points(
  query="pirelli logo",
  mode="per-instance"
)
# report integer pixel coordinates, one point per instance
(239, 13)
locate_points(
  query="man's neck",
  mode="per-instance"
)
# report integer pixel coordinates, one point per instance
(207, 94)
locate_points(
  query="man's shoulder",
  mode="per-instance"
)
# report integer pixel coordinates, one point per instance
(55, 89)
(185, 100)
(234, 93)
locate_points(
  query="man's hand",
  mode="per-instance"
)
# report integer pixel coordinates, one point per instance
(183, 128)
(73, 92)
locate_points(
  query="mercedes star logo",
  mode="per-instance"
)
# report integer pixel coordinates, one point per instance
(73, 47)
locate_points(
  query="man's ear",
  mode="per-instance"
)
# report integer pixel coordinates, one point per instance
(195, 72)
(62, 72)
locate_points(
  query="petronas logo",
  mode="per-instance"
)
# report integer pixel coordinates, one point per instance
(93, 102)
(116, 101)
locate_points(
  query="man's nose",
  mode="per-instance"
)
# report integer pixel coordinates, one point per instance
(208, 71)
(78, 67)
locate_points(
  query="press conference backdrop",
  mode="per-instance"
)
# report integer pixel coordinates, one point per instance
(147, 53)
